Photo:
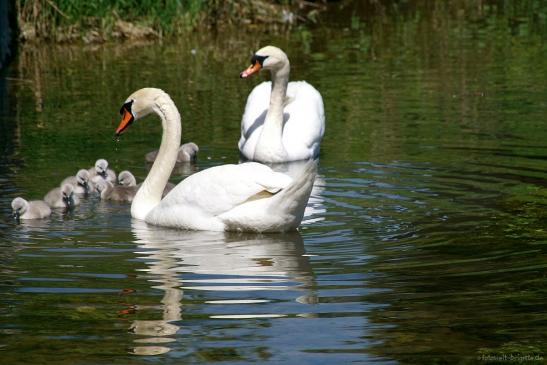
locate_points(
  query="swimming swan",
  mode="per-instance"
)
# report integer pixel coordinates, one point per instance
(101, 169)
(127, 179)
(35, 209)
(188, 152)
(246, 197)
(119, 193)
(80, 182)
(283, 121)
(62, 197)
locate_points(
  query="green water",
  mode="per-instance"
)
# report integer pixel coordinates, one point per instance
(426, 235)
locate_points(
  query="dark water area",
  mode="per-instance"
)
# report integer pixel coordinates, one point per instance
(425, 239)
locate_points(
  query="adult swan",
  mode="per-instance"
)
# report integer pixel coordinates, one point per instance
(283, 121)
(246, 197)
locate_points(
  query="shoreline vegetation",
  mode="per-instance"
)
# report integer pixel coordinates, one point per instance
(73, 21)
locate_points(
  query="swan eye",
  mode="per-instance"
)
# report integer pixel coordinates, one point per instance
(260, 59)
(127, 106)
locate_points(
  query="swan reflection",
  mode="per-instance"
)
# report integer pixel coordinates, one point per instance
(218, 262)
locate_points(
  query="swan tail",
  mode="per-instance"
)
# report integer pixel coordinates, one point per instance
(293, 199)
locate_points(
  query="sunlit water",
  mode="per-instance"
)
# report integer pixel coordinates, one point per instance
(424, 241)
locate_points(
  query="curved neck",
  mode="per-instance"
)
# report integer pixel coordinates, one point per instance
(271, 142)
(151, 190)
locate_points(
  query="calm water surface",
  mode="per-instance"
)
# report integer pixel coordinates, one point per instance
(425, 239)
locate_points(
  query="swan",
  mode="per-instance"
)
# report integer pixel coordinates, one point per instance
(245, 197)
(101, 169)
(188, 152)
(126, 178)
(119, 193)
(35, 209)
(80, 182)
(283, 121)
(62, 197)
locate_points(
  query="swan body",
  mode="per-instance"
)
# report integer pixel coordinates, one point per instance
(62, 197)
(188, 152)
(246, 197)
(35, 209)
(80, 182)
(283, 121)
(101, 169)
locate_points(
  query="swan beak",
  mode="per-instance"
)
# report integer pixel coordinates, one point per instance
(254, 68)
(127, 119)
(16, 215)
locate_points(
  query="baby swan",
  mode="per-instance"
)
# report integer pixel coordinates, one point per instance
(62, 197)
(80, 182)
(119, 193)
(101, 169)
(35, 209)
(126, 178)
(188, 152)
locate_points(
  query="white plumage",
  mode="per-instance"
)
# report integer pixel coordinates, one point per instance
(246, 197)
(283, 121)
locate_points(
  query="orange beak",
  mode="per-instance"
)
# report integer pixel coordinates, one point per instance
(126, 121)
(254, 68)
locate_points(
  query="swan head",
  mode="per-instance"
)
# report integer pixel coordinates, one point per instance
(268, 58)
(19, 206)
(67, 192)
(101, 165)
(126, 178)
(82, 177)
(138, 105)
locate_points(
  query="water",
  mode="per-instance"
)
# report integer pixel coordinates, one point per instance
(425, 240)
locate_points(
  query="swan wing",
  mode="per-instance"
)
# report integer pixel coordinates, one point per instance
(198, 200)
(305, 123)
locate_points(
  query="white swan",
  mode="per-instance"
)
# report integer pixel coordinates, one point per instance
(283, 121)
(246, 197)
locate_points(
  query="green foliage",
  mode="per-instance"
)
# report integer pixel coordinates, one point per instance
(62, 19)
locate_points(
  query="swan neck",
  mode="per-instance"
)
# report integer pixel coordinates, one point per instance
(280, 80)
(270, 145)
(150, 193)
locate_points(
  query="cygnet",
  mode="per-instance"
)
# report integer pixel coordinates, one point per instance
(188, 152)
(119, 193)
(101, 169)
(80, 182)
(34, 209)
(62, 197)
(126, 178)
